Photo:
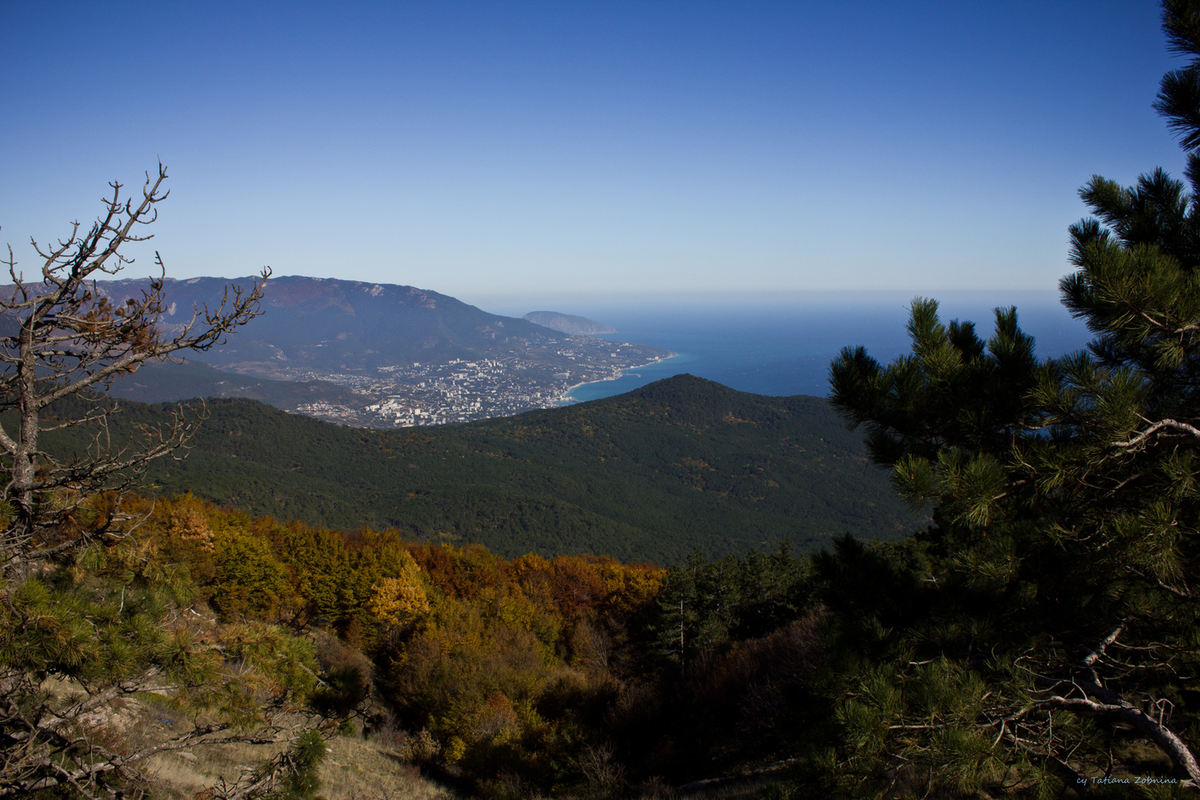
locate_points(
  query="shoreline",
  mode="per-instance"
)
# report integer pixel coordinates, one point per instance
(564, 398)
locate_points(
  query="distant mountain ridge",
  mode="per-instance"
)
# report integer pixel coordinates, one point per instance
(568, 323)
(334, 325)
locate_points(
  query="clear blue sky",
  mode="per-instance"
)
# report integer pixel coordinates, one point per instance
(483, 149)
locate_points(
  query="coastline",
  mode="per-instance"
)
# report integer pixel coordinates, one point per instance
(565, 398)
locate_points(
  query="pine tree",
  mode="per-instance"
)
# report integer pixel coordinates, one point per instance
(1065, 504)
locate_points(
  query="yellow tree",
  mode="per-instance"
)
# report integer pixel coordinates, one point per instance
(400, 600)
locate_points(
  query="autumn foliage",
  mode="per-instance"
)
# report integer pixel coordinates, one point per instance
(485, 665)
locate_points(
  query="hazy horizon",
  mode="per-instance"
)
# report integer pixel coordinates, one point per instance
(575, 303)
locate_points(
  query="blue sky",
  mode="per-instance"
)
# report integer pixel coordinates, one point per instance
(527, 149)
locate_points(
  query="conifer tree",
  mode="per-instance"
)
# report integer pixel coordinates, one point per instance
(1063, 620)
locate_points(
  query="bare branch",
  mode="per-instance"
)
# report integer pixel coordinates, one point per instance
(1163, 424)
(62, 341)
(64, 337)
(1123, 711)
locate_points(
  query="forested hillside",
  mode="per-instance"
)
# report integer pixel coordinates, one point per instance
(573, 676)
(1038, 637)
(681, 465)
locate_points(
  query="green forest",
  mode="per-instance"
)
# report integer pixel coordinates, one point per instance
(661, 595)
(681, 465)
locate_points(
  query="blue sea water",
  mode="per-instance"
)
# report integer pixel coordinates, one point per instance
(785, 348)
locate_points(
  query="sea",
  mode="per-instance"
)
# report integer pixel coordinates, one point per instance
(784, 345)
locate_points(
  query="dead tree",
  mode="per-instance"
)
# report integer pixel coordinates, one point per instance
(103, 641)
(64, 339)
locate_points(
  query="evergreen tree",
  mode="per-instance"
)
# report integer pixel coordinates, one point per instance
(1062, 626)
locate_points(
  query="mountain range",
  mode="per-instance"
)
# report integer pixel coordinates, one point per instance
(678, 466)
(326, 325)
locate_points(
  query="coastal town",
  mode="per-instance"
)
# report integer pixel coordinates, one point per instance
(461, 390)
(387, 356)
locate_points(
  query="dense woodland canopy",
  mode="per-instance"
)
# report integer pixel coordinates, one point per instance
(683, 464)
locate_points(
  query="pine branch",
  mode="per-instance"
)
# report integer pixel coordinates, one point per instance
(1138, 441)
(1110, 705)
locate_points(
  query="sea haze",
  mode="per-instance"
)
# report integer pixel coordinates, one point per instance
(783, 346)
